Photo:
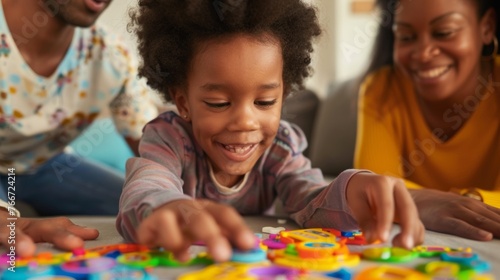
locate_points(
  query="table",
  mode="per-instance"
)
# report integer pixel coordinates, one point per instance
(488, 251)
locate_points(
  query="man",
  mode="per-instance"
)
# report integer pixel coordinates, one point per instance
(58, 72)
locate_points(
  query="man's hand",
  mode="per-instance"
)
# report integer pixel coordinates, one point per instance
(59, 231)
(378, 201)
(178, 224)
(458, 215)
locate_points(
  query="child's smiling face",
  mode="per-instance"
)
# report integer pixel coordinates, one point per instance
(233, 99)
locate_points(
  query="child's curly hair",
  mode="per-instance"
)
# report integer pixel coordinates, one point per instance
(168, 31)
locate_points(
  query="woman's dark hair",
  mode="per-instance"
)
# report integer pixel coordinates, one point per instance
(169, 32)
(382, 53)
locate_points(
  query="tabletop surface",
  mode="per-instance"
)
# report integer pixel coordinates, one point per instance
(488, 251)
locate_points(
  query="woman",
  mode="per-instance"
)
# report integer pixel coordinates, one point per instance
(429, 111)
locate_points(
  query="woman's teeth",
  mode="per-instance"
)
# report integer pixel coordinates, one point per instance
(433, 73)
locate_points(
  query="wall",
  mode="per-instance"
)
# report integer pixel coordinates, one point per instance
(345, 46)
(116, 18)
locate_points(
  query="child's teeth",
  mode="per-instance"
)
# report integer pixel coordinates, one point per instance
(237, 149)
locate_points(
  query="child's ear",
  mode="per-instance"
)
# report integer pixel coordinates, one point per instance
(179, 97)
(488, 26)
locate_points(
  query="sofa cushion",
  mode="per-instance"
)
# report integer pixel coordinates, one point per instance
(301, 109)
(334, 133)
(108, 147)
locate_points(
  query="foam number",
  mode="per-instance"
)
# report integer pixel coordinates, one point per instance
(222, 271)
(316, 249)
(309, 235)
(84, 267)
(389, 254)
(27, 272)
(137, 260)
(122, 273)
(390, 272)
(441, 269)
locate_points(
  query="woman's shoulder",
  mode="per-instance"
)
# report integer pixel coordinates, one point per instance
(378, 81)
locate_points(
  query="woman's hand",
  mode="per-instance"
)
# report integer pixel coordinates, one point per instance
(23, 233)
(458, 215)
(178, 224)
(377, 201)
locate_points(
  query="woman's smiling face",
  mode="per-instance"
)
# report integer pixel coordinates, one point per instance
(438, 44)
(233, 99)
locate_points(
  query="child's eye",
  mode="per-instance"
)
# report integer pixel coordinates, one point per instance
(265, 103)
(217, 105)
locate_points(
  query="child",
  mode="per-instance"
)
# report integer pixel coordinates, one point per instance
(430, 111)
(227, 66)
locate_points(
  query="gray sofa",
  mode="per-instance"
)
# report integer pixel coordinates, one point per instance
(328, 123)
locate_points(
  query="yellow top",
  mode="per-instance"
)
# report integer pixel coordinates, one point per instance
(394, 139)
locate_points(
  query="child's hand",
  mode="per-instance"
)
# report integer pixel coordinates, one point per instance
(378, 201)
(177, 225)
(59, 231)
(458, 215)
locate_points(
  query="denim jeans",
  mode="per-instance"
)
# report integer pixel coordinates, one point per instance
(67, 185)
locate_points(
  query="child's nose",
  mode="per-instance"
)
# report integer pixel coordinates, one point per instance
(244, 119)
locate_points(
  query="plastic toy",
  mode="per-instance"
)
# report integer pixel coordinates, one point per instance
(390, 272)
(389, 254)
(315, 254)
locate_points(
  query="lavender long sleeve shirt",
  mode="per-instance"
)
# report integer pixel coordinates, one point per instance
(173, 166)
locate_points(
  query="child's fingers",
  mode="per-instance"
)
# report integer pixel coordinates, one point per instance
(409, 221)
(381, 202)
(401, 240)
(183, 255)
(385, 207)
(204, 228)
(150, 231)
(233, 226)
(371, 199)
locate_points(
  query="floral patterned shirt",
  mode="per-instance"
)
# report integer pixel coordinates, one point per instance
(40, 116)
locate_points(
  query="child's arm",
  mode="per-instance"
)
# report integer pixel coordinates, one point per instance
(157, 209)
(355, 197)
(152, 180)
